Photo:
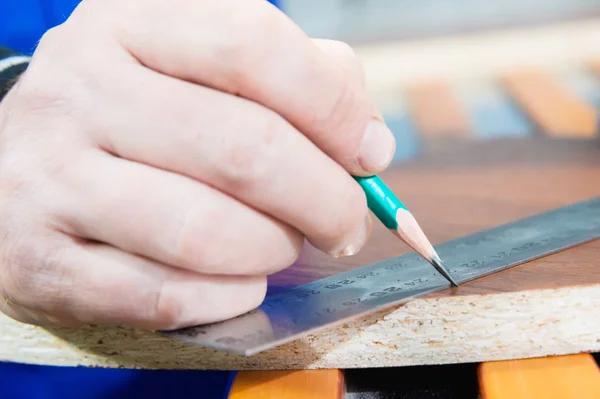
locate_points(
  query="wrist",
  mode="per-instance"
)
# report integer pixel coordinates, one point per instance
(12, 65)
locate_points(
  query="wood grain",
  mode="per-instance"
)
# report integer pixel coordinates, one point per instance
(560, 377)
(553, 108)
(481, 185)
(303, 384)
(545, 307)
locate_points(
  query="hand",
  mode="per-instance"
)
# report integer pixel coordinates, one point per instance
(159, 159)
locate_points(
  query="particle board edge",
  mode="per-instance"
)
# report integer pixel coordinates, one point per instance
(425, 331)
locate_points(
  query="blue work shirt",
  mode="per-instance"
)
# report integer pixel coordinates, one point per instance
(22, 23)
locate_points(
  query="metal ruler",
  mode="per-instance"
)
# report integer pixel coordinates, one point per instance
(321, 304)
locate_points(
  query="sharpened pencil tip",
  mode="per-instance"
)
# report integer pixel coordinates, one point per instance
(439, 266)
(410, 232)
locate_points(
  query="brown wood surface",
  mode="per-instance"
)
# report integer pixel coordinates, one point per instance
(482, 185)
(553, 108)
(302, 384)
(437, 112)
(554, 377)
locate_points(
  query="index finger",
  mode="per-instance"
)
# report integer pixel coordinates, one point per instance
(251, 49)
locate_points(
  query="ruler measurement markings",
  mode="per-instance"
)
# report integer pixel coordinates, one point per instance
(335, 299)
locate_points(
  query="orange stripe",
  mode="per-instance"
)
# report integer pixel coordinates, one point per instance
(556, 111)
(561, 377)
(437, 112)
(595, 66)
(305, 384)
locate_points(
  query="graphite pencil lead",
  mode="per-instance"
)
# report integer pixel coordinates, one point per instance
(410, 232)
(440, 267)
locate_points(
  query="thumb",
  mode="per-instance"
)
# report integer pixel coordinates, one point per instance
(345, 56)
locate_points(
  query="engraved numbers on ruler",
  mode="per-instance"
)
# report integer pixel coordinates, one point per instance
(403, 285)
(333, 299)
(312, 290)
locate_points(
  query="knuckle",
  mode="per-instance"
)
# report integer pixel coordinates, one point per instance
(36, 97)
(33, 276)
(99, 16)
(51, 51)
(357, 69)
(252, 31)
(247, 161)
(244, 168)
(344, 49)
(17, 281)
(352, 60)
(91, 8)
(36, 94)
(50, 38)
(14, 183)
(254, 25)
(345, 105)
(60, 81)
(33, 174)
(346, 56)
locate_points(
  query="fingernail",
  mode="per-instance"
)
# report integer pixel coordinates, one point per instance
(359, 241)
(376, 148)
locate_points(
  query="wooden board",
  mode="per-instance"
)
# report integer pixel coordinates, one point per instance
(546, 307)
(556, 377)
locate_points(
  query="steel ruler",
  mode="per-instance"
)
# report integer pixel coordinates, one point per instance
(321, 304)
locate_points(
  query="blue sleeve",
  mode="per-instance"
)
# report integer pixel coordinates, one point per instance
(22, 24)
(21, 381)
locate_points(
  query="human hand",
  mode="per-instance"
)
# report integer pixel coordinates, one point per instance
(159, 159)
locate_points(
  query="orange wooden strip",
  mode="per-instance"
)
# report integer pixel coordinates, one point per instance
(594, 66)
(437, 112)
(561, 377)
(556, 111)
(301, 384)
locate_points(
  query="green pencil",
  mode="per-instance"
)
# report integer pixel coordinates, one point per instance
(399, 220)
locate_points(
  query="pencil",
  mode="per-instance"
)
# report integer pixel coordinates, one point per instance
(399, 220)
